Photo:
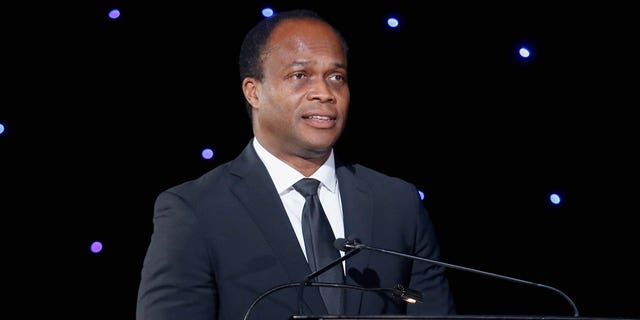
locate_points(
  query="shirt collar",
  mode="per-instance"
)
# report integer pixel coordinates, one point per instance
(284, 176)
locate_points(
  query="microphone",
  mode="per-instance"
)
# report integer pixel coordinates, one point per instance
(307, 281)
(399, 291)
(355, 244)
(406, 294)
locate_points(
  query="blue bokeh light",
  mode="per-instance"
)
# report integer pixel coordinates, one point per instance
(393, 22)
(555, 198)
(114, 13)
(96, 247)
(207, 153)
(524, 52)
(267, 12)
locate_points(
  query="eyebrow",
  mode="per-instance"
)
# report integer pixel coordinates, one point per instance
(306, 63)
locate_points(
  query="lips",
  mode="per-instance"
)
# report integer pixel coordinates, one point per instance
(320, 121)
(319, 117)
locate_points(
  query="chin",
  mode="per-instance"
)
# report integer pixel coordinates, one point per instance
(316, 151)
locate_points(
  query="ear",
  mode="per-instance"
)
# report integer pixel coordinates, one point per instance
(250, 90)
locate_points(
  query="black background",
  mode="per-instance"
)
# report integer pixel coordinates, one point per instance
(101, 115)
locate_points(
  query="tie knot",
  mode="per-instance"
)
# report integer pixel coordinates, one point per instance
(307, 186)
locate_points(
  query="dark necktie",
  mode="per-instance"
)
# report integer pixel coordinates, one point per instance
(318, 241)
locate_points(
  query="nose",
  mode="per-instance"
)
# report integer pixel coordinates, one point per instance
(321, 90)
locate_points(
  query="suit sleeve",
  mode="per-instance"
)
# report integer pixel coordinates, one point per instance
(177, 281)
(429, 278)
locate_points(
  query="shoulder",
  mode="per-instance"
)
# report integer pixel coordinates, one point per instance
(220, 177)
(202, 185)
(375, 179)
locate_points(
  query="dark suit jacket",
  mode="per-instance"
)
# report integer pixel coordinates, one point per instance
(222, 240)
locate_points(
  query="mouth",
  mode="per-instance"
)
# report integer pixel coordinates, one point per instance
(320, 121)
(319, 117)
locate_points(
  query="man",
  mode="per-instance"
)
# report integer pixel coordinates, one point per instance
(222, 240)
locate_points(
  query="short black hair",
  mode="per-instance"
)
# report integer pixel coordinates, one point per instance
(250, 60)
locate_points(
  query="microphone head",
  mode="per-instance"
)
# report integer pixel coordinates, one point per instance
(340, 244)
(348, 244)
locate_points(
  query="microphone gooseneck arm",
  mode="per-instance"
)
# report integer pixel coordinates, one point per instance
(308, 278)
(354, 244)
(397, 291)
(330, 265)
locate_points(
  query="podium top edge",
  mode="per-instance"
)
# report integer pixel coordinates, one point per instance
(456, 317)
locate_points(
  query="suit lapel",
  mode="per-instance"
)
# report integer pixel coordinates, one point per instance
(256, 191)
(358, 220)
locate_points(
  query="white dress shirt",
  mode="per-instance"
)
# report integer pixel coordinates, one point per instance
(284, 177)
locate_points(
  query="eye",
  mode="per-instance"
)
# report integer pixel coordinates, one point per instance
(339, 77)
(298, 75)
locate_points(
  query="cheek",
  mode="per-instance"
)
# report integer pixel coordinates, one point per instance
(278, 110)
(281, 101)
(284, 102)
(274, 95)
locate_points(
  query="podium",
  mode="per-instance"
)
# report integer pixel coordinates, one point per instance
(458, 317)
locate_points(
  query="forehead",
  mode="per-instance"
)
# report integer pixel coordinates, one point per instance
(299, 35)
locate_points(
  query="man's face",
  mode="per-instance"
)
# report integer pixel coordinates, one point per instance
(303, 100)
